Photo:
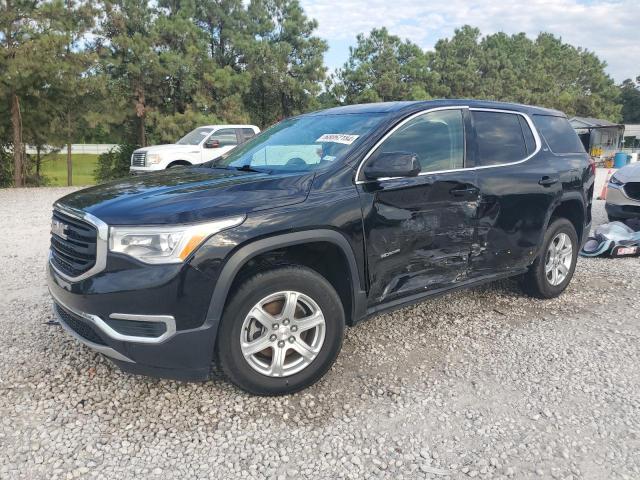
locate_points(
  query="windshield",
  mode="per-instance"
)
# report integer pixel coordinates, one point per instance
(195, 137)
(302, 144)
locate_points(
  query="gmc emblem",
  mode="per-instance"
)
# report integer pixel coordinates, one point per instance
(58, 228)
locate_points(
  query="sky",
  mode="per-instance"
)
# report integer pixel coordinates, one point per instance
(609, 28)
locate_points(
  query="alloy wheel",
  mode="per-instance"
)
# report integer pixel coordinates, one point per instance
(282, 334)
(558, 259)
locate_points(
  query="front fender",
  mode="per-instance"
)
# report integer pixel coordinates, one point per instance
(245, 253)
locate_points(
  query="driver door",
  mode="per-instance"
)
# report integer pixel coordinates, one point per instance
(420, 230)
(218, 143)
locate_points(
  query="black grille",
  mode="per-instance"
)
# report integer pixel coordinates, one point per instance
(79, 325)
(632, 189)
(76, 253)
(139, 159)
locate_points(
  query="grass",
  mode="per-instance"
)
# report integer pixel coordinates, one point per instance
(54, 168)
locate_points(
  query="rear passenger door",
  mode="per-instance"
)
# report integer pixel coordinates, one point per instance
(517, 184)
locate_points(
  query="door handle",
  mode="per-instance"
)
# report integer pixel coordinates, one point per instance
(462, 191)
(547, 181)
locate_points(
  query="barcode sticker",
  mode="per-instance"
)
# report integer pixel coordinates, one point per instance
(338, 138)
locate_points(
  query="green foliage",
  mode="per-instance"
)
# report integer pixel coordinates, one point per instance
(6, 168)
(114, 164)
(284, 63)
(382, 67)
(141, 71)
(630, 100)
(544, 71)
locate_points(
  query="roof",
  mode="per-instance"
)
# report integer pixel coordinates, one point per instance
(590, 122)
(408, 106)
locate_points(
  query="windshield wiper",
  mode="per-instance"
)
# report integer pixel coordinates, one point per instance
(248, 168)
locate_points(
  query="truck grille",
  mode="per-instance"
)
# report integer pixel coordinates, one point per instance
(78, 325)
(139, 159)
(73, 244)
(632, 189)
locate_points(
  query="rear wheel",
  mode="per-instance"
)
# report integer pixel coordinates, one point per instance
(281, 331)
(552, 271)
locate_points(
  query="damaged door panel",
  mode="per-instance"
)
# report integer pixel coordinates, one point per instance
(420, 229)
(419, 236)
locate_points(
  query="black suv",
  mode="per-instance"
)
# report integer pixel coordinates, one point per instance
(259, 259)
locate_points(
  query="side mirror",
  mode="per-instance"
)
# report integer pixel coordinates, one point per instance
(392, 164)
(212, 144)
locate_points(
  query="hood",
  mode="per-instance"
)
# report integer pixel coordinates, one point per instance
(629, 173)
(187, 195)
(170, 147)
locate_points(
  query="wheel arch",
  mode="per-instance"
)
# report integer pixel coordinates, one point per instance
(572, 207)
(244, 254)
(176, 163)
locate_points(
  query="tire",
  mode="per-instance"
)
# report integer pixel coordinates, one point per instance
(269, 371)
(537, 282)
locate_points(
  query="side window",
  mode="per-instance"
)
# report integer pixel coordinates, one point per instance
(245, 134)
(529, 139)
(437, 139)
(559, 134)
(226, 137)
(499, 137)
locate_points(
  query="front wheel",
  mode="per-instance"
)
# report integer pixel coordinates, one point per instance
(281, 331)
(551, 272)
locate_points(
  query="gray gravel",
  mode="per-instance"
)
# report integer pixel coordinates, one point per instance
(485, 383)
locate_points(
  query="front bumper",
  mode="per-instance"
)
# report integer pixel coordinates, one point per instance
(174, 298)
(619, 205)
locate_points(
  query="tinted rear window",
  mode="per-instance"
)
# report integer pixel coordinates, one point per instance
(500, 138)
(559, 134)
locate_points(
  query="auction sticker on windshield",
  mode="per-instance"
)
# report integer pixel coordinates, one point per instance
(338, 138)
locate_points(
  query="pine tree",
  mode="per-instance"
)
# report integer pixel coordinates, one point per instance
(285, 62)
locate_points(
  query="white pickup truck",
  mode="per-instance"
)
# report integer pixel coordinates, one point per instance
(198, 146)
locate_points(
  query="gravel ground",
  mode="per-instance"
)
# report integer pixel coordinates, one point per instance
(485, 383)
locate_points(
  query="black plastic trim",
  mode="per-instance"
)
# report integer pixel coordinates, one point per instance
(247, 252)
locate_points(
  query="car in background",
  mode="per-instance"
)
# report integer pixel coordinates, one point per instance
(623, 194)
(198, 146)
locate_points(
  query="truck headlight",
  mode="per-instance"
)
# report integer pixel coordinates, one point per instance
(153, 158)
(165, 244)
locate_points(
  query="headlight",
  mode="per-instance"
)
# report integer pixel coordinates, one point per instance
(615, 180)
(153, 158)
(165, 244)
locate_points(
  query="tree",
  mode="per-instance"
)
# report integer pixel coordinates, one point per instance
(73, 84)
(26, 64)
(196, 88)
(544, 71)
(284, 62)
(383, 67)
(127, 47)
(458, 62)
(630, 100)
